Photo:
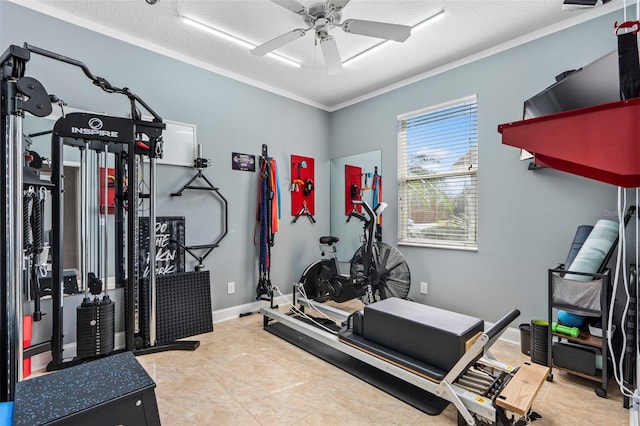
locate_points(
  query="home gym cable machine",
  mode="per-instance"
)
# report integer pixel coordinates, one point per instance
(125, 138)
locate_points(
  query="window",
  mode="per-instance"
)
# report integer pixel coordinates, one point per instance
(438, 175)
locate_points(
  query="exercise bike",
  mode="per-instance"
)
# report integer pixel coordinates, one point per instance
(377, 270)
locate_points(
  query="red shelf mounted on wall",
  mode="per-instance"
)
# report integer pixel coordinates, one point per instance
(599, 142)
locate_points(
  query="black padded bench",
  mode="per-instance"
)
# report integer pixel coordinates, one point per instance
(423, 339)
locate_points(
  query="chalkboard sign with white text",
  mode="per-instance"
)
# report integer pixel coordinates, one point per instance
(169, 254)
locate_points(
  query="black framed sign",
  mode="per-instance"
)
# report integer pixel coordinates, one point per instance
(169, 255)
(244, 162)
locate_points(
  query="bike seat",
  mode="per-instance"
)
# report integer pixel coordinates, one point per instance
(328, 240)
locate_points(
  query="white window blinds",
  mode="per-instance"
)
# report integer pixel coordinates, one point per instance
(438, 175)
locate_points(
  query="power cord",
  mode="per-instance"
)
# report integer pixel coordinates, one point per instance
(296, 310)
(620, 267)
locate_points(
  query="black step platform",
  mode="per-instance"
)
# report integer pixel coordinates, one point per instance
(115, 390)
(405, 392)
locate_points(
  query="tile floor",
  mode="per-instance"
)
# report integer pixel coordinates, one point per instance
(243, 375)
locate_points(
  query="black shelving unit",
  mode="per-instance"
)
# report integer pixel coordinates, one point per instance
(601, 283)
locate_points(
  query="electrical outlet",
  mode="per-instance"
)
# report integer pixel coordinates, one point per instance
(231, 287)
(424, 287)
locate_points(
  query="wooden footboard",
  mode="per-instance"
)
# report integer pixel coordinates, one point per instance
(518, 395)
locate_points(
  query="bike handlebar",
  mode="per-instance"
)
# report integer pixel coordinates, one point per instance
(366, 207)
(357, 215)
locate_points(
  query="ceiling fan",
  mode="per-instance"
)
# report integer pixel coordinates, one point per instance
(321, 17)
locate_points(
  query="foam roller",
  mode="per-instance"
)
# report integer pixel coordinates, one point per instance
(571, 331)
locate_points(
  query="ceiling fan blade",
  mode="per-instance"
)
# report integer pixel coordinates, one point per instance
(339, 4)
(278, 42)
(331, 55)
(292, 5)
(377, 29)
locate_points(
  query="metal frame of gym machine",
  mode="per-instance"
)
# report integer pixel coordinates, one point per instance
(18, 95)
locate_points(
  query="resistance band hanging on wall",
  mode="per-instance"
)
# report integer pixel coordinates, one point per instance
(376, 185)
(268, 220)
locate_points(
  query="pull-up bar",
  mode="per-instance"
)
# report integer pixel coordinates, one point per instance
(98, 81)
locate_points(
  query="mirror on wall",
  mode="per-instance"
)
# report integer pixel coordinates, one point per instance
(352, 176)
(37, 132)
(37, 141)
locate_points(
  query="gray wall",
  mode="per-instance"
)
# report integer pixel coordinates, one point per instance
(230, 117)
(527, 219)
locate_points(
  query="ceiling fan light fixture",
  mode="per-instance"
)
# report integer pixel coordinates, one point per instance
(235, 39)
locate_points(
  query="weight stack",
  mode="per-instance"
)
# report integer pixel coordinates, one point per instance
(95, 328)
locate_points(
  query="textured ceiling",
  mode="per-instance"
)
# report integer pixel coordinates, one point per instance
(466, 28)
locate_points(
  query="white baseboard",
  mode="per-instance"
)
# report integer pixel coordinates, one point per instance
(235, 311)
(511, 334)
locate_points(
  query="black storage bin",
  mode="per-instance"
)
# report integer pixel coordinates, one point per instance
(578, 358)
(525, 338)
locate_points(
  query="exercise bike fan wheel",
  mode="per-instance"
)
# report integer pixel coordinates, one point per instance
(315, 286)
(388, 274)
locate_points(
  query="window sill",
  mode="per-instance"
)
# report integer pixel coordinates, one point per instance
(437, 246)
